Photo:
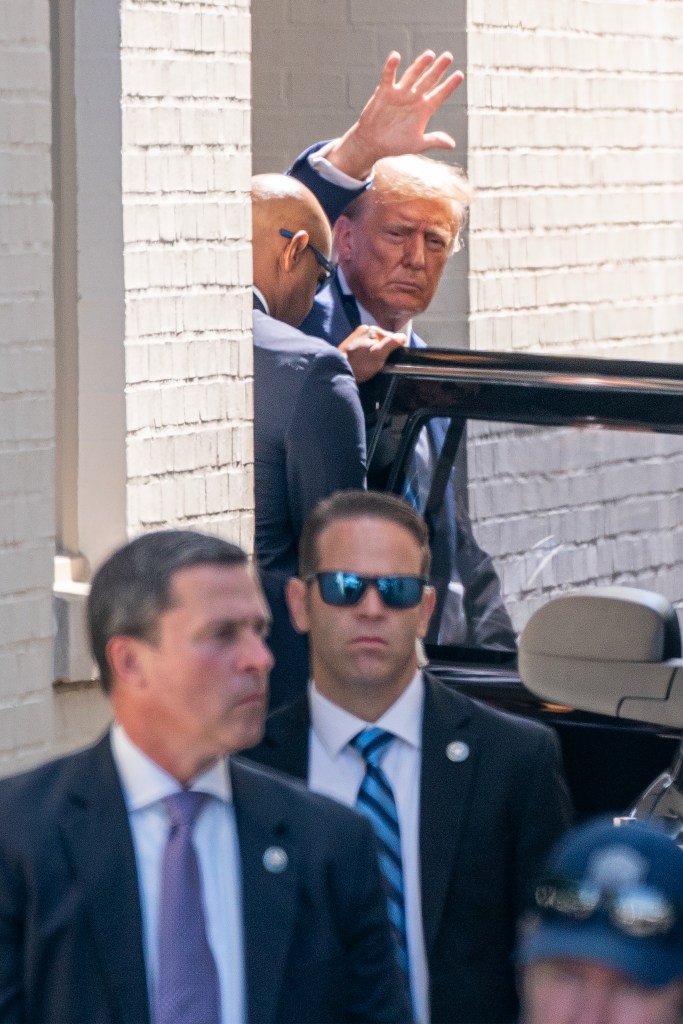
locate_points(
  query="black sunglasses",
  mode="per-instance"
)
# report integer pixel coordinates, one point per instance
(343, 589)
(639, 911)
(323, 261)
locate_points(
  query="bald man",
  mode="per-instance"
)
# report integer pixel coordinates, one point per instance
(309, 431)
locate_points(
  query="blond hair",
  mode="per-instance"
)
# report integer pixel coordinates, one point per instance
(412, 176)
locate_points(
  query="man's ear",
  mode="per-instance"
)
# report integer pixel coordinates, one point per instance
(294, 250)
(426, 610)
(342, 237)
(297, 603)
(123, 655)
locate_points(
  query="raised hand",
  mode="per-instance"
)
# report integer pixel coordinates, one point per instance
(395, 118)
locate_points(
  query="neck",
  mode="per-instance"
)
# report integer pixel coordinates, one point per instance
(366, 699)
(392, 322)
(175, 759)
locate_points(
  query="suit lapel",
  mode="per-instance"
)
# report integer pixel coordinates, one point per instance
(269, 896)
(445, 789)
(349, 304)
(99, 847)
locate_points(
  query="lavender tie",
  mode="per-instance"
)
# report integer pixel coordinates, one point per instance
(187, 987)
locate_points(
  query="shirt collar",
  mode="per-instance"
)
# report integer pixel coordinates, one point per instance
(335, 727)
(144, 782)
(261, 297)
(365, 317)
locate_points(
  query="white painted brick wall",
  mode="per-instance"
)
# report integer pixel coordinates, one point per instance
(576, 150)
(315, 63)
(26, 385)
(187, 264)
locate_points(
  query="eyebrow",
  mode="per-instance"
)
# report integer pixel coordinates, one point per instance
(408, 226)
(261, 624)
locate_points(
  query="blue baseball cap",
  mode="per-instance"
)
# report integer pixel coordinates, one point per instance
(612, 895)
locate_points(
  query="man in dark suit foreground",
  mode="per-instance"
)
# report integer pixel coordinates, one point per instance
(149, 877)
(468, 798)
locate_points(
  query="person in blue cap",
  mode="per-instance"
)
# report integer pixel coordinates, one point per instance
(605, 942)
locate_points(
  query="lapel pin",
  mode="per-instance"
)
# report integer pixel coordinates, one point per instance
(457, 751)
(275, 860)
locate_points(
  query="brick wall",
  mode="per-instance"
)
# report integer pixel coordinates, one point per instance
(576, 149)
(316, 62)
(152, 163)
(187, 264)
(26, 383)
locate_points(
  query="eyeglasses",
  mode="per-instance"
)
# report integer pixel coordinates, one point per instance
(637, 911)
(323, 261)
(344, 589)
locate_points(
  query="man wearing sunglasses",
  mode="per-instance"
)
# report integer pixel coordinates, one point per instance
(465, 800)
(309, 433)
(604, 944)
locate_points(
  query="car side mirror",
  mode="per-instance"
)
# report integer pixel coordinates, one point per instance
(610, 650)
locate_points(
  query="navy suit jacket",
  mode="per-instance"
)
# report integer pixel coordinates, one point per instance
(333, 198)
(486, 823)
(480, 617)
(316, 940)
(309, 434)
(309, 440)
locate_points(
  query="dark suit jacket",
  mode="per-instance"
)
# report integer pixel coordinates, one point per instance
(309, 440)
(317, 944)
(309, 435)
(485, 825)
(482, 621)
(332, 198)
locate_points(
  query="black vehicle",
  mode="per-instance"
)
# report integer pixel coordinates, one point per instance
(563, 474)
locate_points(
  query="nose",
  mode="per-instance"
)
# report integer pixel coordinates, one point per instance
(256, 655)
(414, 251)
(597, 1001)
(595, 1009)
(371, 604)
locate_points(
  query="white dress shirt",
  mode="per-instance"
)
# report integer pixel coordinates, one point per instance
(322, 166)
(145, 785)
(261, 297)
(337, 770)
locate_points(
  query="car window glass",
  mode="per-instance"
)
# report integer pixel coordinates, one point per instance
(528, 512)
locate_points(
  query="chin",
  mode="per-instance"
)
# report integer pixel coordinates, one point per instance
(412, 306)
(251, 735)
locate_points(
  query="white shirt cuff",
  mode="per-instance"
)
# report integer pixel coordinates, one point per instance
(328, 172)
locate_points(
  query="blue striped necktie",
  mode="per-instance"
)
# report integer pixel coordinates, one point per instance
(376, 801)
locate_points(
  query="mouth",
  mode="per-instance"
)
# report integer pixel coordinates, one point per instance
(369, 641)
(256, 699)
(407, 286)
